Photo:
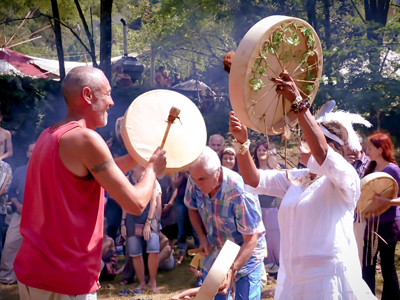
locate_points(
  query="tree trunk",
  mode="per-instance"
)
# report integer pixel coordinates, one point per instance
(376, 13)
(89, 36)
(312, 14)
(105, 37)
(152, 67)
(327, 23)
(57, 32)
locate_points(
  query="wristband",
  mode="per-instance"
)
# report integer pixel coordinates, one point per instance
(299, 104)
(241, 148)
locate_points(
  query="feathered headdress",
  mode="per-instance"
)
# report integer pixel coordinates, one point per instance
(347, 120)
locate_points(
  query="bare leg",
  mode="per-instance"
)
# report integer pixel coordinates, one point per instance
(164, 254)
(153, 267)
(189, 292)
(138, 264)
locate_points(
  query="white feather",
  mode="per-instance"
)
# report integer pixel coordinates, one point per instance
(347, 120)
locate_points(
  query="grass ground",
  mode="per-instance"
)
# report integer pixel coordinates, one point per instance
(170, 283)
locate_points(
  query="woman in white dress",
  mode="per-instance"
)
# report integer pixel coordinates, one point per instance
(318, 255)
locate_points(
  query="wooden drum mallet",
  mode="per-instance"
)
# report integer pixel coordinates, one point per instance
(173, 114)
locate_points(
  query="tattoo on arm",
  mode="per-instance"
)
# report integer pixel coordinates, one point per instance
(104, 166)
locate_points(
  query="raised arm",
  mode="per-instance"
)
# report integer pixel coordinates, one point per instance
(247, 168)
(83, 151)
(311, 130)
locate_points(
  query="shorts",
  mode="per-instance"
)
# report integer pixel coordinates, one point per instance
(30, 293)
(167, 264)
(135, 244)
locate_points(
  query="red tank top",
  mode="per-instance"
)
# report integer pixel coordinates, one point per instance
(62, 223)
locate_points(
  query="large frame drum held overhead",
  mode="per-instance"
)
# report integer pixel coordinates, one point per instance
(145, 122)
(272, 46)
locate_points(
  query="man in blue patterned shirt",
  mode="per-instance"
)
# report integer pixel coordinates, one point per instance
(220, 210)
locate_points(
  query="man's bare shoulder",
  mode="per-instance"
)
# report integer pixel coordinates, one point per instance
(83, 149)
(84, 144)
(81, 137)
(4, 133)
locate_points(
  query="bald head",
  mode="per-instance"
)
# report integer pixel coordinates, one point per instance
(79, 78)
(216, 142)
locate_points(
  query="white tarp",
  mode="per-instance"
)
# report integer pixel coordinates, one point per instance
(52, 66)
(194, 86)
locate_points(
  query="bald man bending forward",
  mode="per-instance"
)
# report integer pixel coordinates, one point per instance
(62, 216)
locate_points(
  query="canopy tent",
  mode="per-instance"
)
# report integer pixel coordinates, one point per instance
(53, 65)
(194, 86)
(15, 63)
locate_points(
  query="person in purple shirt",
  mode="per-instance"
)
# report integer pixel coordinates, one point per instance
(380, 151)
(13, 237)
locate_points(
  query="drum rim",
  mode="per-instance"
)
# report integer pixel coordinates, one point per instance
(362, 201)
(239, 67)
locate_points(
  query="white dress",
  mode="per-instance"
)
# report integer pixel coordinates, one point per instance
(318, 253)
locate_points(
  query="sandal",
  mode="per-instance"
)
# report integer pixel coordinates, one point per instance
(136, 292)
(124, 292)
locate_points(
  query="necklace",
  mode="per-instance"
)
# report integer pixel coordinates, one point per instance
(307, 181)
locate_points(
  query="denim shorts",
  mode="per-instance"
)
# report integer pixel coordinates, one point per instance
(135, 244)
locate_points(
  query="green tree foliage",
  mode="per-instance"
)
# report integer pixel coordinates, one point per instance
(361, 63)
(360, 41)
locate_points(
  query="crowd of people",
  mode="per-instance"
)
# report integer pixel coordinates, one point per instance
(295, 226)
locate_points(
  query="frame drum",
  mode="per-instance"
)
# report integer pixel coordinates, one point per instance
(218, 271)
(273, 45)
(145, 122)
(378, 183)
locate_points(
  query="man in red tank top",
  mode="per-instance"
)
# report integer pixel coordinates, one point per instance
(62, 217)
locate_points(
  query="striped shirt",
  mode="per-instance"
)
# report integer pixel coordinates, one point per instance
(228, 215)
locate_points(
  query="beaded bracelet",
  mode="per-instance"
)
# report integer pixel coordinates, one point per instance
(300, 104)
(241, 148)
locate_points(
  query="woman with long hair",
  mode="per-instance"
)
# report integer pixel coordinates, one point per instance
(380, 151)
(265, 159)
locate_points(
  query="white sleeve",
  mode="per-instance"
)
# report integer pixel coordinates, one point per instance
(272, 183)
(158, 188)
(339, 172)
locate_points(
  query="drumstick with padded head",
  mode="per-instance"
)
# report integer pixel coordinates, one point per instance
(173, 114)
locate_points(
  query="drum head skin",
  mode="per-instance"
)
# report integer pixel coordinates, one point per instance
(374, 184)
(273, 45)
(145, 122)
(218, 271)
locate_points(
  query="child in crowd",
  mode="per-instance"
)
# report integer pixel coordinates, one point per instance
(195, 267)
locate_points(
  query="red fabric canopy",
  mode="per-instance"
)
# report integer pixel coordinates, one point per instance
(21, 63)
